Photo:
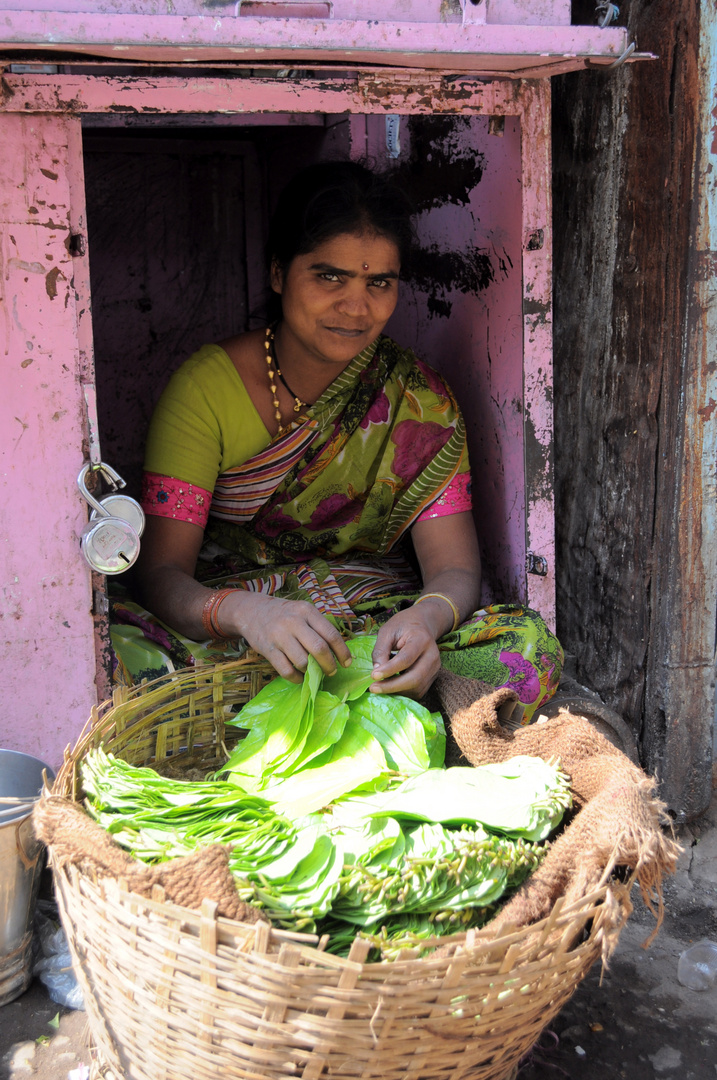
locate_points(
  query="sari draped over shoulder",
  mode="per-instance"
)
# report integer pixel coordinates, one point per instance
(324, 512)
(378, 447)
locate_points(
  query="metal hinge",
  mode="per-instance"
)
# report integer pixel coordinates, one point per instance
(100, 602)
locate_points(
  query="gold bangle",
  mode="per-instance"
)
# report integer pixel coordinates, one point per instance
(442, 596)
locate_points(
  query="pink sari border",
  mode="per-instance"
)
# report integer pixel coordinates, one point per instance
(454, 500)
(165, 496)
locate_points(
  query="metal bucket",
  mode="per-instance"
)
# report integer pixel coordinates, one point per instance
(21, 862)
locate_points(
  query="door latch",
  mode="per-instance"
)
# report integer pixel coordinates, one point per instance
(536, 564)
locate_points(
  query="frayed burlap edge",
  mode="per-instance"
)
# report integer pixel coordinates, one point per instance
(74, 838)
(620, 828)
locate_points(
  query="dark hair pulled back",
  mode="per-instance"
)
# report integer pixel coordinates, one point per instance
(335, 197)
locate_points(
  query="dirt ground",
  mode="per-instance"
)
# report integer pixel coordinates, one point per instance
(633, 1020)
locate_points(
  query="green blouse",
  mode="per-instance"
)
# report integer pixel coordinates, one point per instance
(194, 434)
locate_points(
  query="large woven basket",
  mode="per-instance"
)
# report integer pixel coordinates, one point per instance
(176, 994)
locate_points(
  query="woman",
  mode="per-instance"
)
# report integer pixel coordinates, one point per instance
(311, 479)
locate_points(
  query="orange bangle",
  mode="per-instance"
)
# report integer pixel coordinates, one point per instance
(442, 596)
(210, 623)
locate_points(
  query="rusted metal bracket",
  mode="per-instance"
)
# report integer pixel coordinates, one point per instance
(93, 426)
(536, 564)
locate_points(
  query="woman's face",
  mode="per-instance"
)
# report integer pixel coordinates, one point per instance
(336, 299)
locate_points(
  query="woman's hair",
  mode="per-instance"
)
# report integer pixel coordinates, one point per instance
(334, 197)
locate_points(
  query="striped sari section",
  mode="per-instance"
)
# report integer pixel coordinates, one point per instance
(381, 445)
(240, 492)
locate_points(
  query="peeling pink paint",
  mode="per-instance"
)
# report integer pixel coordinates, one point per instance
(491, 49)
(47, 648)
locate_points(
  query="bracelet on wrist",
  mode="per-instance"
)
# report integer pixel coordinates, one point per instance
(210, 621)
(447, 599)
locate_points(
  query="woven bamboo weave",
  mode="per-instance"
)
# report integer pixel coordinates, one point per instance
(177, 994)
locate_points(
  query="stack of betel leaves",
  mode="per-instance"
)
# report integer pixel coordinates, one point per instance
(340, 814)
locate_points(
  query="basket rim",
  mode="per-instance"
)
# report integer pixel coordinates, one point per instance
(100, 723)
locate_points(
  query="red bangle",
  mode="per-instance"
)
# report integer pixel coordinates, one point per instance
(210, 622)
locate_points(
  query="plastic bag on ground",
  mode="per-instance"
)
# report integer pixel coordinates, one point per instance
(53, 965)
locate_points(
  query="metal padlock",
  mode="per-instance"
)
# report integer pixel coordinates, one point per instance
(110, 543)
(117, 505)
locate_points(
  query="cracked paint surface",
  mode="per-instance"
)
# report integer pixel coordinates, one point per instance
(45, 622)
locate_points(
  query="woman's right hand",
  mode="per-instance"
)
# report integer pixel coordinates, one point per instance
(286, 632)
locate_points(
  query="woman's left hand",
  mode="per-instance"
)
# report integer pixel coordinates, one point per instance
(406, 657)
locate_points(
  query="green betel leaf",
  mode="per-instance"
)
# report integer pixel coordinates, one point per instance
(545, 796)
(437, 872)
(141, 810)
(274, 727)
(413, 739)
(521, 797)
(330, 716)
(276, 695)
(282, 868)
(279, 719)
(356, 759)
(348, 683)
(310, 889)
(365, 839)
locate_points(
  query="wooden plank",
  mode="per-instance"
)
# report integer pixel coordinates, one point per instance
(681, 672)
(636, 600)
(382, 91)
(186, 38)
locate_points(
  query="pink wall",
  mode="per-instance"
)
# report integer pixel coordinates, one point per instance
(47, 648)
(465, 320)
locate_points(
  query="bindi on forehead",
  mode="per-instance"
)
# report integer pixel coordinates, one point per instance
(329, 268)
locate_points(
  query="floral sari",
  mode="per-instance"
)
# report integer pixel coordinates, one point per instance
(324, 513)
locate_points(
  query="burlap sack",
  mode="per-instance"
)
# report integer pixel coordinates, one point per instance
(619, 822)
(77, 839)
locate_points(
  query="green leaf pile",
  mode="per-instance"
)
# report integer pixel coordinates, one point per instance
(340, 815)
(158, 819)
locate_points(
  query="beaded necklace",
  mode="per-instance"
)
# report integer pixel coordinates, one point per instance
(271, 365)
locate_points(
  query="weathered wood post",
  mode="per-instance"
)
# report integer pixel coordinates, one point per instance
(636, 389)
